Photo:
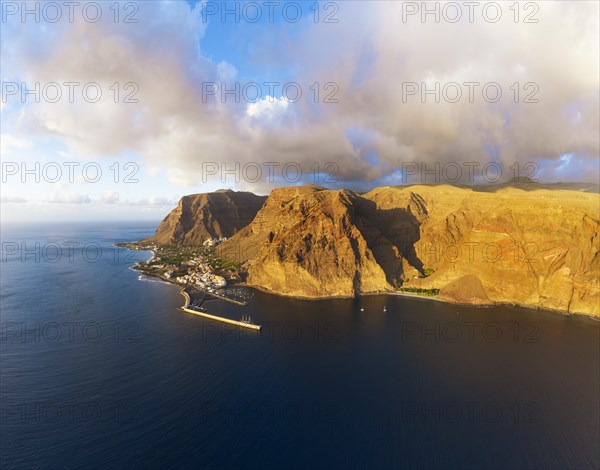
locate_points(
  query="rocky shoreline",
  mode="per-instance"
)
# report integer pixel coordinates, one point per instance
(149, 273)
(426, 298)
(537, 248)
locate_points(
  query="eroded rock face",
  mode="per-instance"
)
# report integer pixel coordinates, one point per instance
(209, 215)
(466, 290)
(313, 242)
(533, 248)
(319, 246)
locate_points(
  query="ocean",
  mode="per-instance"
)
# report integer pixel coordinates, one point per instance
(99, 368)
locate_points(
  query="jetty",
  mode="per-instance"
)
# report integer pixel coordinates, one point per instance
(243, 324)
(216, 295)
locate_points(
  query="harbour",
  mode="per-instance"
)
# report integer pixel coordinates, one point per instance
(186, 308)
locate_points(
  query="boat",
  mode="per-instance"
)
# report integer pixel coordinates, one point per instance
(384, 308)
(362, 309)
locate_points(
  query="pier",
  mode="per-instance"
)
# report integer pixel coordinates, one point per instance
(185, 308)
(226, 299)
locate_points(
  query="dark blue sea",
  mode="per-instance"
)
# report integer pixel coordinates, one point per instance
(99, 369)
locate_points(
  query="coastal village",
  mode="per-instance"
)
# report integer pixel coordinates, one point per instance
(193, 266)
(201, 273)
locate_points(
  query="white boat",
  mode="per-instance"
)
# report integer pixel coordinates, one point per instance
(362, 309)
(384, 308)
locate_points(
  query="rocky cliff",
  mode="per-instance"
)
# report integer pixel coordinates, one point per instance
(209, 215)
(536, 248)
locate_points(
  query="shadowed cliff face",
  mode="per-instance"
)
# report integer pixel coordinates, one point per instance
(321, 243)
(211, 215)
(398, 216)
(533, 248)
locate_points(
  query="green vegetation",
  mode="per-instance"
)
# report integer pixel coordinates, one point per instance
(418, 290)
(428, 272)
(175, 255)
(219, 264)
(171, 254)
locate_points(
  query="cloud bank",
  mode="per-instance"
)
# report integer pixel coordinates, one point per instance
(368, 117)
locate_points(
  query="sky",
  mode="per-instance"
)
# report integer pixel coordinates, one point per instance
(114, 110)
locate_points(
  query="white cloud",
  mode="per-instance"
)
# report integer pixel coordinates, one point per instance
(151, 202)
(368, 54)
(69, 197)
(10, 145)
(268, 107)
(226, 71)
(110, 197)
(12, 200)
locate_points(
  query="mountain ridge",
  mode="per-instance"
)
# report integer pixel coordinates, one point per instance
(536, 248)
(198, 217)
